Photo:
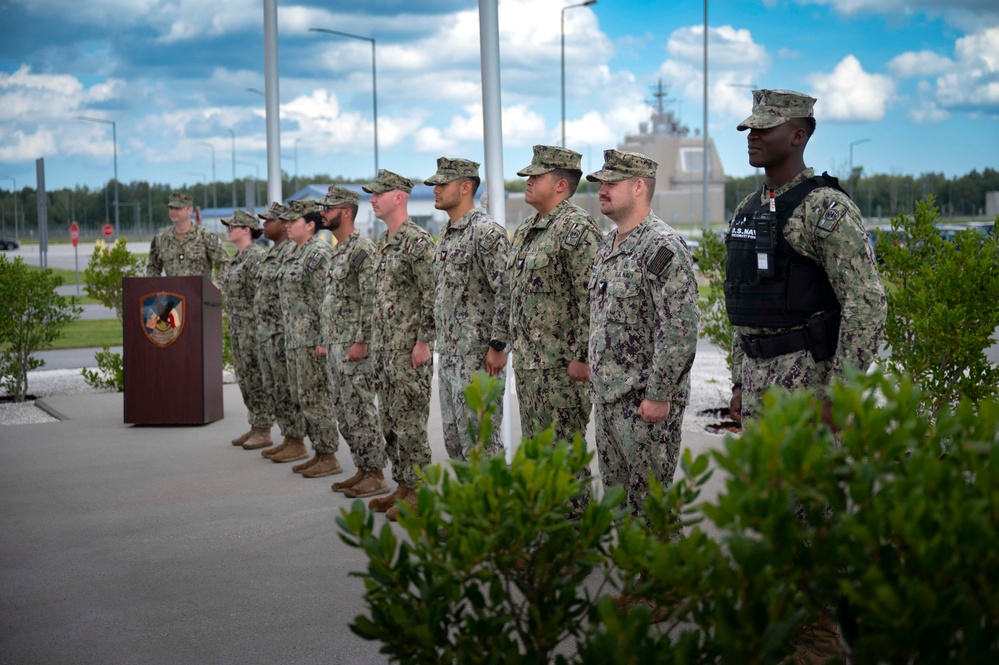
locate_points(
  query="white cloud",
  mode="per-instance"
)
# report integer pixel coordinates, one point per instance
(20, 147)
(919, 63)
(849, 93)
(521, 126)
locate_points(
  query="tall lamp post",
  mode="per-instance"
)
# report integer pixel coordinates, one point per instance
(13, 191)
(232, 132)
(581, 4)
(853, 143)
(114, 138)
(215, 198)
(374, 78)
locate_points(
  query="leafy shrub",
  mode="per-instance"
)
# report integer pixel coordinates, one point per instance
(943, 306)
(107, 267)
(30, 319)
(712, 257)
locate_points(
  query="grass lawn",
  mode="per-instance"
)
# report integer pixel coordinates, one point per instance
(84, 334)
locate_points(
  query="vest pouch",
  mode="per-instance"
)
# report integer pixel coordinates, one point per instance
(823, 335)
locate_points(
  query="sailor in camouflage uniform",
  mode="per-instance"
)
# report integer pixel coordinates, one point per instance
(346, 331)
(272, 354)
(643, 332)
(403, 335)
(471, 307)
(239, 288)
(302, 280)
(186, 250)
(802, 238)
(549, 264)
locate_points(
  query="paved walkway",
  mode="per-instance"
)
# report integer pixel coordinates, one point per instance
(126, 544)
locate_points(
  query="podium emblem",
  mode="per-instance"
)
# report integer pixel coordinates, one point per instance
(163, 317)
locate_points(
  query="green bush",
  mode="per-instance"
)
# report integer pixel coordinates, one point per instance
(30, 318)
(891, 527)
(712, 257)
(943, 307)
(110, 374)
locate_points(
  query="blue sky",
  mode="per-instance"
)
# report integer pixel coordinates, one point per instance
(920, 78)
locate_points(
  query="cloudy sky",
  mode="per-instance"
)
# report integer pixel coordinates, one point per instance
(920, 78)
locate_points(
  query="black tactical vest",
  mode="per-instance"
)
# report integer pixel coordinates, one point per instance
(767, 283)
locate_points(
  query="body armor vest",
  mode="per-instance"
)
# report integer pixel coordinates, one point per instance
(767, 283)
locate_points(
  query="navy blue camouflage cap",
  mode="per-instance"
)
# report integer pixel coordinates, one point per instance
(180, 200)
(620, 166)
(242, 218)
(274, 210)
(449, 170)
(775, 107)
(547, 158)
(388, 181)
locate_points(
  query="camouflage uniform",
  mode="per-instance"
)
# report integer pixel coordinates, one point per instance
(194, 255)
(549, 265)
(643, 334)
(827, 228)
(239, 288)
(302, 280)
(471, 309)
(273, 354)
(403, 315)
(346, 319)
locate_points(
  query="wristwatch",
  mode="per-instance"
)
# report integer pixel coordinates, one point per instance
(497, 345)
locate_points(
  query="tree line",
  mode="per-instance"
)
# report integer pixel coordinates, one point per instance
(142, 206)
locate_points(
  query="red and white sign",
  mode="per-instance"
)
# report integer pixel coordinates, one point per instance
(74, 234)
(108, 230)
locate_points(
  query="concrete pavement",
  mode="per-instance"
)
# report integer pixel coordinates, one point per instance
(126, 544)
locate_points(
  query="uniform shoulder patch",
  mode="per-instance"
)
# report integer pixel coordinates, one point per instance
(575, 234)
(212, 239)
(359, 259)
(489, 237)
(660, 261)
(315, 261)
(419, 247)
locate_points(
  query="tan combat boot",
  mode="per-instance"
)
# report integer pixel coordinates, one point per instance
(383, 503)
(241, 439)
(409, 499)
(271, 452)
(259, 438)
(373, 483)
(299, 468)
(326, 466)
(341, 485)
(295, 451)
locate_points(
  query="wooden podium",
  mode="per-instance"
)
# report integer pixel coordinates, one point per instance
(172, 351)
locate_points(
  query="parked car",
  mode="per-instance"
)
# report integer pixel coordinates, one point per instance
(8, 243)
(875, 232)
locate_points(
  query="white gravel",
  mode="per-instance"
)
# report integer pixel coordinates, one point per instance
(710, 389)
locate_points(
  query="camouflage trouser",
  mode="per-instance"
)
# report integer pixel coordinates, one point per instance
(548, 396)
(628, 448)
(258, 399)
(404, 406)
(274, 374)
(310, 389)
(352, 385)
(454, 374)
(792, 371)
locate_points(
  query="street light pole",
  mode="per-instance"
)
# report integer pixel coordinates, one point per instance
(853, 143)
(215, 198)
(581, 4)
(233, 133)
(114, 137)
(374, 79)
(14, 192)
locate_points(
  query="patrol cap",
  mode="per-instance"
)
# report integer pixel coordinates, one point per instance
(180, 200)
(298, 209)
(449, 170)
(242, 218)
(338, 195)
(775, 107)
(387, 181)
(273, 211)
(547, 158)
(620, 166)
